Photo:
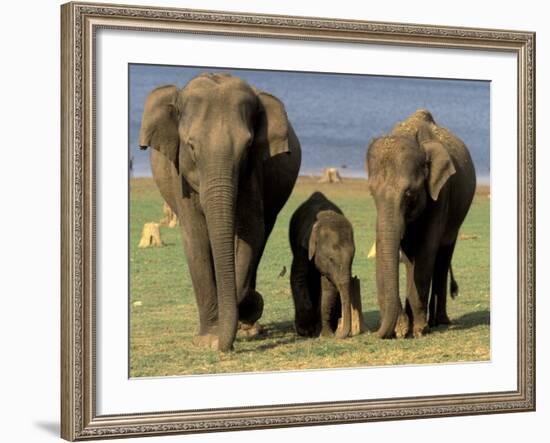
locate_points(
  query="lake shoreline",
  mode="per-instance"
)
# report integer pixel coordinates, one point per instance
(356, 183)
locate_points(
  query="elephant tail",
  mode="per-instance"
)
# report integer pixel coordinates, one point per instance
(453, 286)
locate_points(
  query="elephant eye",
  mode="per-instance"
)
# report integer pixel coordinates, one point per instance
(409, 197)
(192, 151)
(250, 140)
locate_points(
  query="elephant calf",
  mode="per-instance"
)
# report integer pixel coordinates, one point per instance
(321, 238)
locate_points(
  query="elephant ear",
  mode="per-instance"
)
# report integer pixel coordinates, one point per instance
(312, 243)
(272, 127)
(440, 165)
(159, 124)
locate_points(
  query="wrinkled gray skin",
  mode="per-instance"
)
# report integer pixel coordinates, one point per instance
(321, 239)
(423, 180)
(225, 158)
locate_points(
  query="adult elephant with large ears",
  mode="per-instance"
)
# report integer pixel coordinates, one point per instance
(225, 158)
(423, 181)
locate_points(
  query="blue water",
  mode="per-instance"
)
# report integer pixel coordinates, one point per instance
(336, 115)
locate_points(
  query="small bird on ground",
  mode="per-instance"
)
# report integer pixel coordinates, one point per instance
(283, 272)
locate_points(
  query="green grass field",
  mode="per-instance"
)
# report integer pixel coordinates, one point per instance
(164, 319)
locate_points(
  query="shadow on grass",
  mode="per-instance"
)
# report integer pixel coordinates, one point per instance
(274, 335)
(466, 321)
(282, 333)
(472, 319)
(272, 330)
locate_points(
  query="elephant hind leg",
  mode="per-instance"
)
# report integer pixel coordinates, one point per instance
(305, 286)
(438, 299)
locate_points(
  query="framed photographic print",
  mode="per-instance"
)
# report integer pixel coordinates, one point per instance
(282, 221)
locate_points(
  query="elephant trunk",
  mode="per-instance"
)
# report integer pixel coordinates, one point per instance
(345, 298)
(145, 134)
(218, 198)
(389, 231)
(144, 138)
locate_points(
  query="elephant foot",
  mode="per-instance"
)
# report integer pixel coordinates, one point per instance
(443, 320)
(382, 334)
(339, 333)
(307, 331)
(326, 332)
(402, 326)
(206, 341)
(251, 307)
(420, 330)
(250, 330)
(440, 320)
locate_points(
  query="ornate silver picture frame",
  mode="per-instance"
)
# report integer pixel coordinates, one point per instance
(81, 22)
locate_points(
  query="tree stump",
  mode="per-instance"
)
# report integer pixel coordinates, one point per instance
(330, 175)
(358, 324)
(150, 236)
(170, 218)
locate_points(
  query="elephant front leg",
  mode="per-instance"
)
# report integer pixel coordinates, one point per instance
(250, 311)
(252, 305)
(250, 301)
(201, 268)
(249, 243)
(358, 324)
(404, 324)
(419, 274)
(329, 297)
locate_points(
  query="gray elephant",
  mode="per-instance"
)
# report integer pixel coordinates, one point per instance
(423, 181)
(321, 239)
(225, 158)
